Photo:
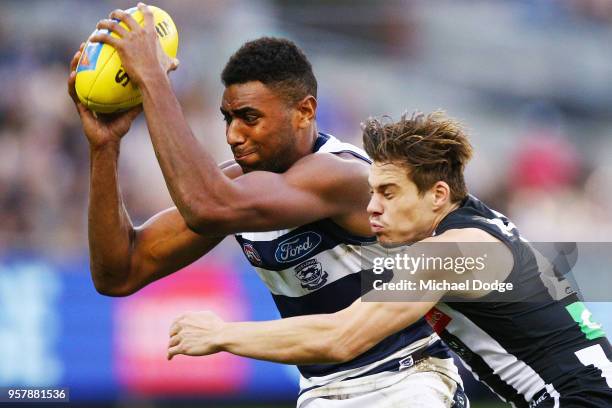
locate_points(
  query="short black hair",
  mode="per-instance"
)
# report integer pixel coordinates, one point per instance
(275, 62)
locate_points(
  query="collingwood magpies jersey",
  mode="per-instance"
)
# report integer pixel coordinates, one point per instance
(316, 268)
(539, 351)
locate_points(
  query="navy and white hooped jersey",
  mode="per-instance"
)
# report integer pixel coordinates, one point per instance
(316, 268)
(541, 351)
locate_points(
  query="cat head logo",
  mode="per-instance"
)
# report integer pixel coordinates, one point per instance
(311, 274)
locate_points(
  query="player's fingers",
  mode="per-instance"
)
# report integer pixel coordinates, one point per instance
(126, 18)
(175, 328)
(75, 60)
(134, 112)
(173, 351)
(71, 89)
(71, 81)
(112, 25)
(174, 64)
(174, 340)
(147, 13)
(82, 46)
(85, 114)
(105, 38)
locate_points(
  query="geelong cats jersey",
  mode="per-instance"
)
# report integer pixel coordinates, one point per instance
(315, 268)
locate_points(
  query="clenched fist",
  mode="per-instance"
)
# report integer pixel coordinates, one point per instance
(195, 334)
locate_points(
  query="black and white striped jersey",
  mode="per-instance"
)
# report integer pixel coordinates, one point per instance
(539, 351)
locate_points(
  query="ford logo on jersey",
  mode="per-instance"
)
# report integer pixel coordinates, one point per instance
(297, 247)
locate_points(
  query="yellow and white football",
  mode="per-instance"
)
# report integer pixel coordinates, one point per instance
(102, 84)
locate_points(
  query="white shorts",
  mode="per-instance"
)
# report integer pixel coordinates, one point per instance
(417, 388)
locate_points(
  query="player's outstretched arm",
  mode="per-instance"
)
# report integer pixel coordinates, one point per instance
(335, 337)
(313, 339)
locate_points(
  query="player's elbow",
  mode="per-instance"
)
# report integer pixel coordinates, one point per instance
(107, 286)
(343, 349)
(212, 213)
(338, 354)
(342, 352)
(323, 351)
(213, 221)
(113, 290)
(205, 223)
(200, 223)
(110, 292)
(348, 345)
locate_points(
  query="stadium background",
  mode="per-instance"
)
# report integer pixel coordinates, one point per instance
(532, 79)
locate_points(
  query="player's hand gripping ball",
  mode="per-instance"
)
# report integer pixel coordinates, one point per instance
(102, 84)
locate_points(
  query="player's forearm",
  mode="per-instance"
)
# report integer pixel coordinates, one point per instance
(109, 226)
(322, 338)
(191, 174)
(296, 340)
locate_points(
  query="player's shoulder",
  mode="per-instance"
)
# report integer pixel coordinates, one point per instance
(469, 234)
(329, 168)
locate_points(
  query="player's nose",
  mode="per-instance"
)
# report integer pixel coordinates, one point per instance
(234, 135)
(374, 206)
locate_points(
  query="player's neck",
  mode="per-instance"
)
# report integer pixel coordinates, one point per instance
(310, 138)
(452, 207)
(304, 145)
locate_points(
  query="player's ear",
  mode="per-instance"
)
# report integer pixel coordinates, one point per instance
(307, 110)
(441, 194)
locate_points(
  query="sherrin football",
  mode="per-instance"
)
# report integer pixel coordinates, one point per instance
(102, 84)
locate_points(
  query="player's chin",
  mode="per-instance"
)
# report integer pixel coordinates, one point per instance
(387, 239)
(383, 238)
(250, 162)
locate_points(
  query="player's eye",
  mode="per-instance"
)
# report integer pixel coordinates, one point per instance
(250, 118)
(227, 119)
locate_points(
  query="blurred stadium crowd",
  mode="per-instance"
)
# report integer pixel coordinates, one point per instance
(532, 80)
